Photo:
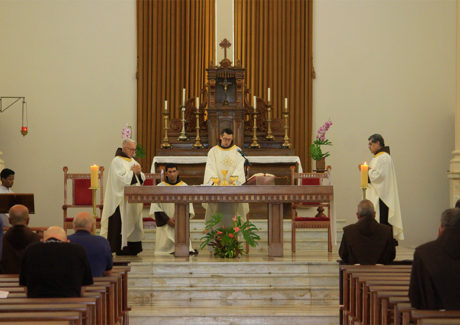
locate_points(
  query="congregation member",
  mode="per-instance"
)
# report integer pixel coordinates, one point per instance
(16, 239)
(55, 267)
(7, 179)
(435, 276)
(367, 241)
(225, 160)
(121, 222)
(383, 187)
(97, 247)
(164, 215)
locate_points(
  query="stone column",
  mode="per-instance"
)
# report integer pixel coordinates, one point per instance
(454, 173)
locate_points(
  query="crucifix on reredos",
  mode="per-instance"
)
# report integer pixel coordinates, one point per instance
(225, 99)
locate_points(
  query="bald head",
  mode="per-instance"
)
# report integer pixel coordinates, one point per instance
(365, 209)
(84, 221)
(55, 232)
(19, 215)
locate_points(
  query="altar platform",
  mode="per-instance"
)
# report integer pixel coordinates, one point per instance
(300, 288)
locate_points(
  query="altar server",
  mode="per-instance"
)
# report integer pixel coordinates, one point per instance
(164, 215)
(383, 187)
(121, 221)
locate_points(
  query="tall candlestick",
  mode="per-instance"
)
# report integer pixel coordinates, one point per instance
(183, 96)
(166, 105)
(364, 175)
(285, 104)
(255, 102)
(197, 102)
(268, 95)
(94, 174)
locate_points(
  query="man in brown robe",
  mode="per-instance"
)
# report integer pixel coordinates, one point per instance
(367, 241)
(435, 277)
(16, 239)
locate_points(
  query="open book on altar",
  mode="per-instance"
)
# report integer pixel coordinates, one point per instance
(261, 179)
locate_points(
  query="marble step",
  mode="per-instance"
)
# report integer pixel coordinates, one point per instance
(233, 280)
(264, 313)
(224, 267)
(147, 295)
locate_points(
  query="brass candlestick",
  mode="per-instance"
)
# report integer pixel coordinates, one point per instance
(182, 136)
(269, 136)
(165, 144)
(94, 190)
(254, 143)
(197, 144)
(286, 144)
(364, 192)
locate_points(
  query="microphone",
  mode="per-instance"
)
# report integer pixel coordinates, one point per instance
(244, 156)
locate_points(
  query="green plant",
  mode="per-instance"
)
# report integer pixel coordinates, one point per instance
(315, 148)
(225, 241)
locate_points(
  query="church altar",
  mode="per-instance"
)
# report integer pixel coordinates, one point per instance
(272, 195)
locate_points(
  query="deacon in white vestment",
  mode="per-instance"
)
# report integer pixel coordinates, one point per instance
(383, 187)
(225, 160)
(164, 216)
(121, 222)
(7, 178)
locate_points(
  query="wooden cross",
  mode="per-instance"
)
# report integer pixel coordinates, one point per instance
(225, 44)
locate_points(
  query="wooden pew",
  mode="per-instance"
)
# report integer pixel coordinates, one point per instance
(26, 307)
(417, 315)
(74, 318)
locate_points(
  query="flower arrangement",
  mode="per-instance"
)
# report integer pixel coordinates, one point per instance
(126, 133)
(225, 240)
(315, 148)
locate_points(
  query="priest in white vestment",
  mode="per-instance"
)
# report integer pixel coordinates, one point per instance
(7, 179)
(121, 222)
(225, 157)
(165, 218)
(383, 187)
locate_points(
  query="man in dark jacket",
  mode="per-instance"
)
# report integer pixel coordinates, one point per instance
(435, 278)
(367, 241)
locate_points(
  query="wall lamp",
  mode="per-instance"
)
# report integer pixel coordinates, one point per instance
(10, 101)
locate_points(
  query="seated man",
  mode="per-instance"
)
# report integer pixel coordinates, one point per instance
(164, 215)
(7, 179)
(435, 278)
(55, 267)
(16, 239)
(367, 241)
(97, 248)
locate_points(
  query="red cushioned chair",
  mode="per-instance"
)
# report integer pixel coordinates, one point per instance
(82, 196)
(320, 220)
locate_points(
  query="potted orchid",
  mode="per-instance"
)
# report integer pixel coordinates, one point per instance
(225, 241)
(315, 148)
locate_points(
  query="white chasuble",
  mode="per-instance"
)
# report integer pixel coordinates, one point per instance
(120, 175)
(164, 237)
(383, 185)
(232, 161)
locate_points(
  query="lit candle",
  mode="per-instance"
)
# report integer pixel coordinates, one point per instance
(285, 104)
(364, 174)
(183, 96)
(197, 102)
(166, 105)
(94, 178)
(268, 95)
(255, 102)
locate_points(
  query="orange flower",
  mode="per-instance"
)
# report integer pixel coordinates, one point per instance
(230, 235)
(236, 229)
(219, 232)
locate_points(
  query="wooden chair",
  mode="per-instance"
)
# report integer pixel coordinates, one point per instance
(320, 220)
(82, 196)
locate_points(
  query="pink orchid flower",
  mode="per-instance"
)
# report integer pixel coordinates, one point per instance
(236, 229)
(230, 235)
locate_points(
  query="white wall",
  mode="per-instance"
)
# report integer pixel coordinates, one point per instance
(75, 62)
(382, 66)
(389, 67)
